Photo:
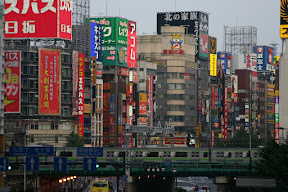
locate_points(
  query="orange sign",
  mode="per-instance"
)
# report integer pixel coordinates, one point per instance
(177, 140)
(49, 87)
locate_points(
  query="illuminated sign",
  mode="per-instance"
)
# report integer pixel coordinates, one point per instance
(49, 88)
(75, 68)
(213, 65)
(176, 45)
(81, 95)
(142, 103)
(284, 19)
(38, 19)
(12, 79)
(132, 45)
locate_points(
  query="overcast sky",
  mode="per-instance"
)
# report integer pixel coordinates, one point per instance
(263, 14)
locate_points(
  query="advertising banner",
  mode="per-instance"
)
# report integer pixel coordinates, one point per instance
(81, 95)
(284, 19)
(203, 45)
(12, 79)
(213, 65)
(87, 108)
(132, 45)
(96, 41)
(75, 70)
(235, 87)
(151, 99)
(212, 97)
(114, 55)
(226, 113)
(49, 86)
(142, 103)
(123, 71)
(213, 45)
(225, 62)
(143, 120)
(264, 58)
(25, 19)
(175, 141)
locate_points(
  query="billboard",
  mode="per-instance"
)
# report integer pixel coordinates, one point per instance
(264, 58)
(38, 19)
(115, 30)
(213, 45)
(213, 65)
(225, 62)
(75, 70)
(114, 55)
(142, 103)
(81, 88)
(12, 79)
(151, 99)
(284, 19)
(235, 87)
(96, 41)
(195, 22)
(132, 45)
(49, 86)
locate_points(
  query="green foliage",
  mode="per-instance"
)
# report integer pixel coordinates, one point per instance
(241, 139)
(274, 163)
(73, 140)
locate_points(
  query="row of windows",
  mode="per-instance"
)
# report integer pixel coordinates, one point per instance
(176, 97)
(32, 98)
(33, 70)
(31, 111)
(177, 86)
(176, 107)
(33, 84)
(177, 118)
(33, 56)
(175, 76)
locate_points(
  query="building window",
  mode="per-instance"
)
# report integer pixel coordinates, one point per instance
(25, 97)
(31, 97)
(54, 125)
(25, 110)
(32, 84)
(25, 83)
(141, 69)
(25, 70)
(31, 111)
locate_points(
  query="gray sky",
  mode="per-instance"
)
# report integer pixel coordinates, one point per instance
(263, 14)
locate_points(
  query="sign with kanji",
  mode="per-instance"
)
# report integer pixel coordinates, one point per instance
(12, 79)
(49, 88)
(81, 84)
(96, 41)
(38, 19)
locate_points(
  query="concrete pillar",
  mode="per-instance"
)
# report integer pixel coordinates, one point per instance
(222, 183)
(131, 186)
(283, 92)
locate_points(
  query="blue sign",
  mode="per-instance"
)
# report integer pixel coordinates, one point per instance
(112, 104)
(31, 151)
(264, 58)
(90, 151)
(89, 164)
(167, 163)
(246, 124)
(96, 41)
(60, 163)
(225, 62)
(4, 164)
(32, 163)
(124, 177)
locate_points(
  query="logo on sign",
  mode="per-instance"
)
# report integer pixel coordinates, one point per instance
(176, 41)
(260, 49)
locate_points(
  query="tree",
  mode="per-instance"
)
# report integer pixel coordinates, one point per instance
(241, 139)
(273, 162)
(73, 140)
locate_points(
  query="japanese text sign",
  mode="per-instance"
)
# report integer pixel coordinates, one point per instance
(213, 65)
(38, 19)
(75, 69)
(142, 103)
(132, 45)
(284, 19)
(96, 41)
(81, 95)
(264, 58)
(49, 87)
(31, 151)
(12, 79)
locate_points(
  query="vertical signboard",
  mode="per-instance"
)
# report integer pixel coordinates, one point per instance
(264, 58)
(213, 45)
(25, 19)
(213, 65)
(96, 41)
(235, 87)
(225, 62)
(151, 98)
(75, 69)
(142, 103)
(284, 19)
(203, 36)
(49, 86)
(226, 113)
(12, 79)
(81, 84)
(132, 45)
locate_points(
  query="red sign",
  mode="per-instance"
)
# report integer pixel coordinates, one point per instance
(123, 71)
(49, 82)
(38, 19)
(132, 45)
(143, 120)
(12, 79)
(172, 52)
(131, 88)
(248, 61)
(81, 84)
(187, 76)
(213, 97)
(135, 77)
(176, 141)
(75, 67)
(151, 99)
(226, 114)
(212, 138)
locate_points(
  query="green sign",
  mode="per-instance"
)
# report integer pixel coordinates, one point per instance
(114, 55)
(115, 30)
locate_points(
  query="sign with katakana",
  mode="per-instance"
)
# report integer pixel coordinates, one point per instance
(38, 19)
(49, 88)
(81, 89)
(12, 79)
(96, 41)
(132, 45)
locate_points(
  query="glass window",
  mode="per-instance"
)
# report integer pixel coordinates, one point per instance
(31, 111)
(25, 70)
(25, 97)
(24, 110)
(159, 86)
(141, 69)
(171, 86)
(32, 84)
(31, 97)
(25, 83)
(31, 70)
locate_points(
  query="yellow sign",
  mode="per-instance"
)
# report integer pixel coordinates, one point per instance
(283, 31)
(284, 19)
(87, 108)
(213, 65)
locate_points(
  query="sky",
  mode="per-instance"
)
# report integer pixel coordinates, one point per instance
(262, 14)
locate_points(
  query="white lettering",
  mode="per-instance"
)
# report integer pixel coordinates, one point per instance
(49, 6)
(28, 27)
(11, 27)
(12, 6)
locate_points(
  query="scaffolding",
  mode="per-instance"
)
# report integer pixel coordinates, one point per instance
(240, 39)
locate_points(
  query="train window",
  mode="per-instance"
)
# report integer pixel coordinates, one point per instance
(181, 154)
(152, 154)
(236, 154)
(218, 154)
(255, 154)
(121, 154)
(197, 154)
(205, 154)
(222, 154)
(66, 154)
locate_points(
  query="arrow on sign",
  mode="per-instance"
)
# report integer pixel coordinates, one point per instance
(60, 163)
(89, 164)
(174, 170)
(111, 58)
(32, 164)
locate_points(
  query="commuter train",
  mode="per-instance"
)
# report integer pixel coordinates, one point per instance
(176, 154)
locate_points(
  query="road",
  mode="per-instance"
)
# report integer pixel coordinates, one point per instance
(189, 182)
